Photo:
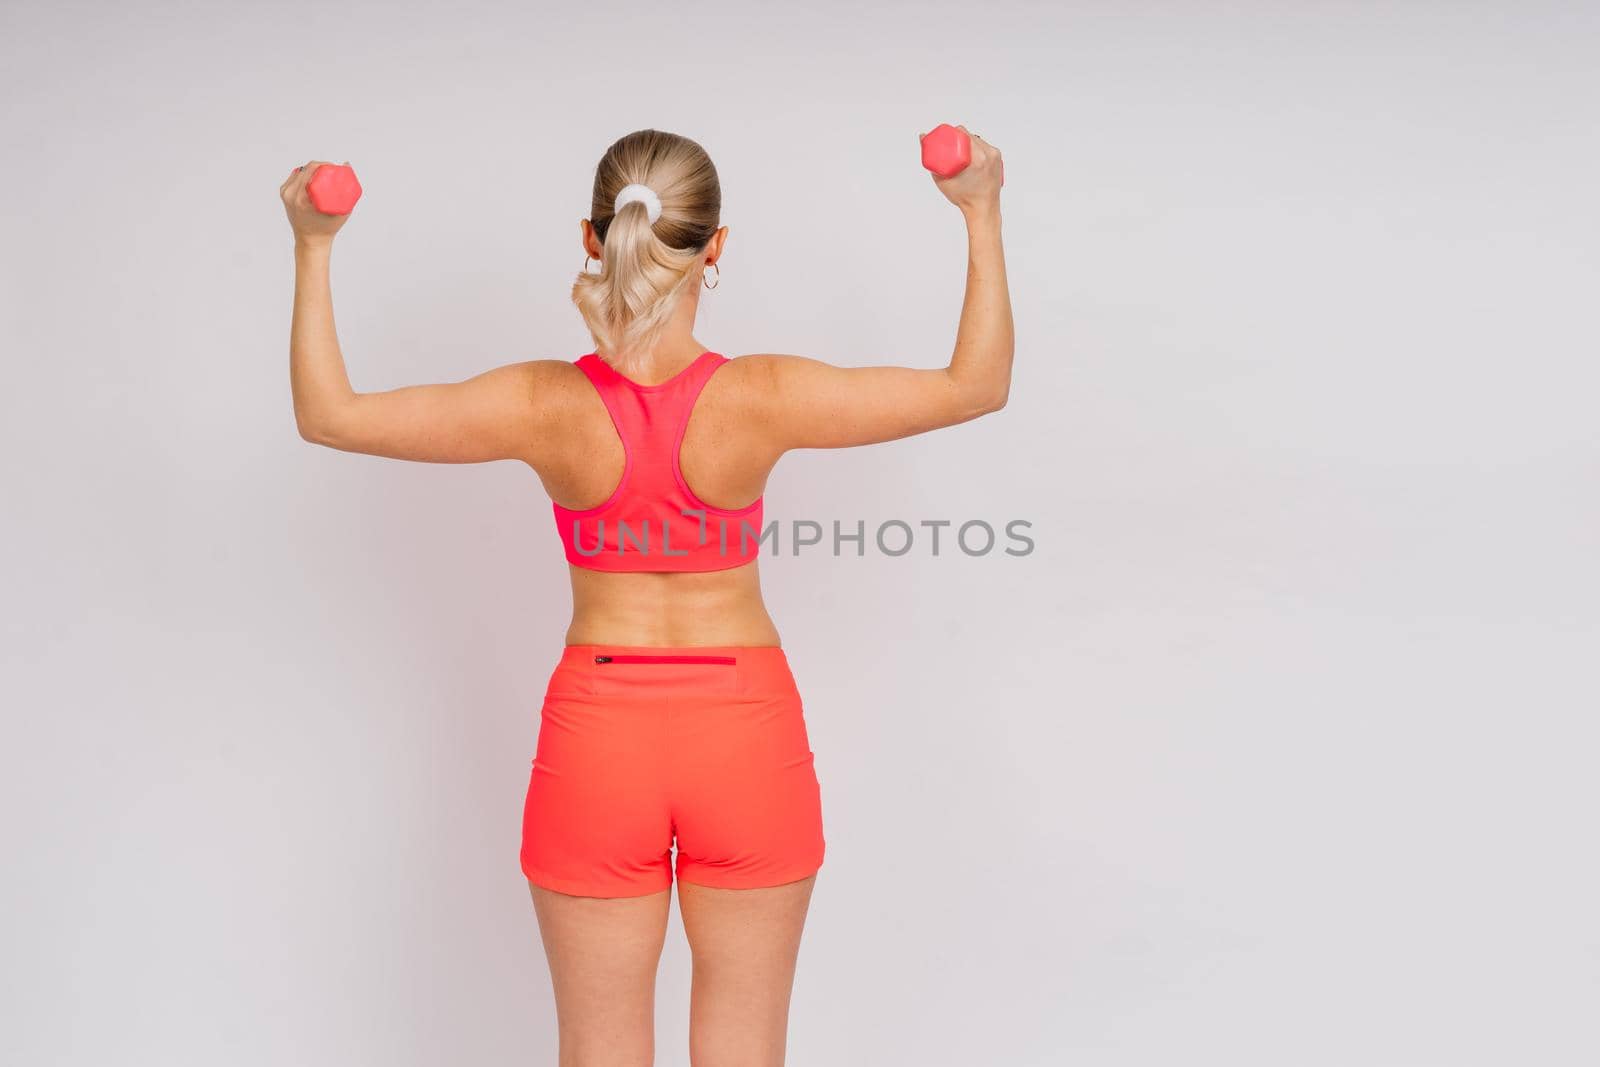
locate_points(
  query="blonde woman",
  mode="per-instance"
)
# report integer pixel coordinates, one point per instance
(671, 717)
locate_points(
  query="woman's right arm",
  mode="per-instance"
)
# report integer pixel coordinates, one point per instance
(493, 415)
(812, 404)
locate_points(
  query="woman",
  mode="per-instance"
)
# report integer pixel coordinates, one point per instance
(672, 715)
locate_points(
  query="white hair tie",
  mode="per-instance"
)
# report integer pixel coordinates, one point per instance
(642, 193)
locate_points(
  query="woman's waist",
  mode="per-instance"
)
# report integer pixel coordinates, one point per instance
(722, 608)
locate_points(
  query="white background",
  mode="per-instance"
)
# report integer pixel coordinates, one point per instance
(1277, 750)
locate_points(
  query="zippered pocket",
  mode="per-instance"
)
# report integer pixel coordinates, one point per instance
(638, 658)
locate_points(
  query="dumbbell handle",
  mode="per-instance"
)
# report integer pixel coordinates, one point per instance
(333, 189)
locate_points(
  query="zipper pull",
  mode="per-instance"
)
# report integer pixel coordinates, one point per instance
(602, 659)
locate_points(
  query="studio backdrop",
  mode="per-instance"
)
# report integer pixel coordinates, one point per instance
(1226, 698)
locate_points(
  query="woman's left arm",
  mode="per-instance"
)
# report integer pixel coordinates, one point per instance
(486, 417)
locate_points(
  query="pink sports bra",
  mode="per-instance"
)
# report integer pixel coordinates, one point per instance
(653, 521)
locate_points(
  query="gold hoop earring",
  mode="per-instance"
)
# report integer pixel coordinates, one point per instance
(707, 284)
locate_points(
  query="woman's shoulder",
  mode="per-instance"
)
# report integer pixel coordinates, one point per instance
(561, 392)
(765, 372)
(747, 383)
(559, 378)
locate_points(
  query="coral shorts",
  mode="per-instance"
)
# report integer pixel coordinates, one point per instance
(643, 747)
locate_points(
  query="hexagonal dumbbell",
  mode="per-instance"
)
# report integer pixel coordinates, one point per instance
(946, 150)
(333, 189)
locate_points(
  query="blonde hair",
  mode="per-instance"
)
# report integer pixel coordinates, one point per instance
(646, 266)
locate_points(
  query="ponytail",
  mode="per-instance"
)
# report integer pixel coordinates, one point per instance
(646, 266)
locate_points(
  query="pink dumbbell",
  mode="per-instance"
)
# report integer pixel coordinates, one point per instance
(946, 150)
(333, 189)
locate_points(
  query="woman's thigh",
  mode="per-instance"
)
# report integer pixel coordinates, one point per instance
(603, 953)
(745, 943)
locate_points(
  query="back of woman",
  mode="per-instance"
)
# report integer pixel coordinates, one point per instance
(672, 742)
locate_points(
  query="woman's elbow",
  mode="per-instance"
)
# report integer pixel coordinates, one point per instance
(335, 422)
(981, 394)
(990, 400)
(308, 428)
(317, 429)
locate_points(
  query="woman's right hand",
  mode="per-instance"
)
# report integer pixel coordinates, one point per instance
(307, 222)
(978, 184)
